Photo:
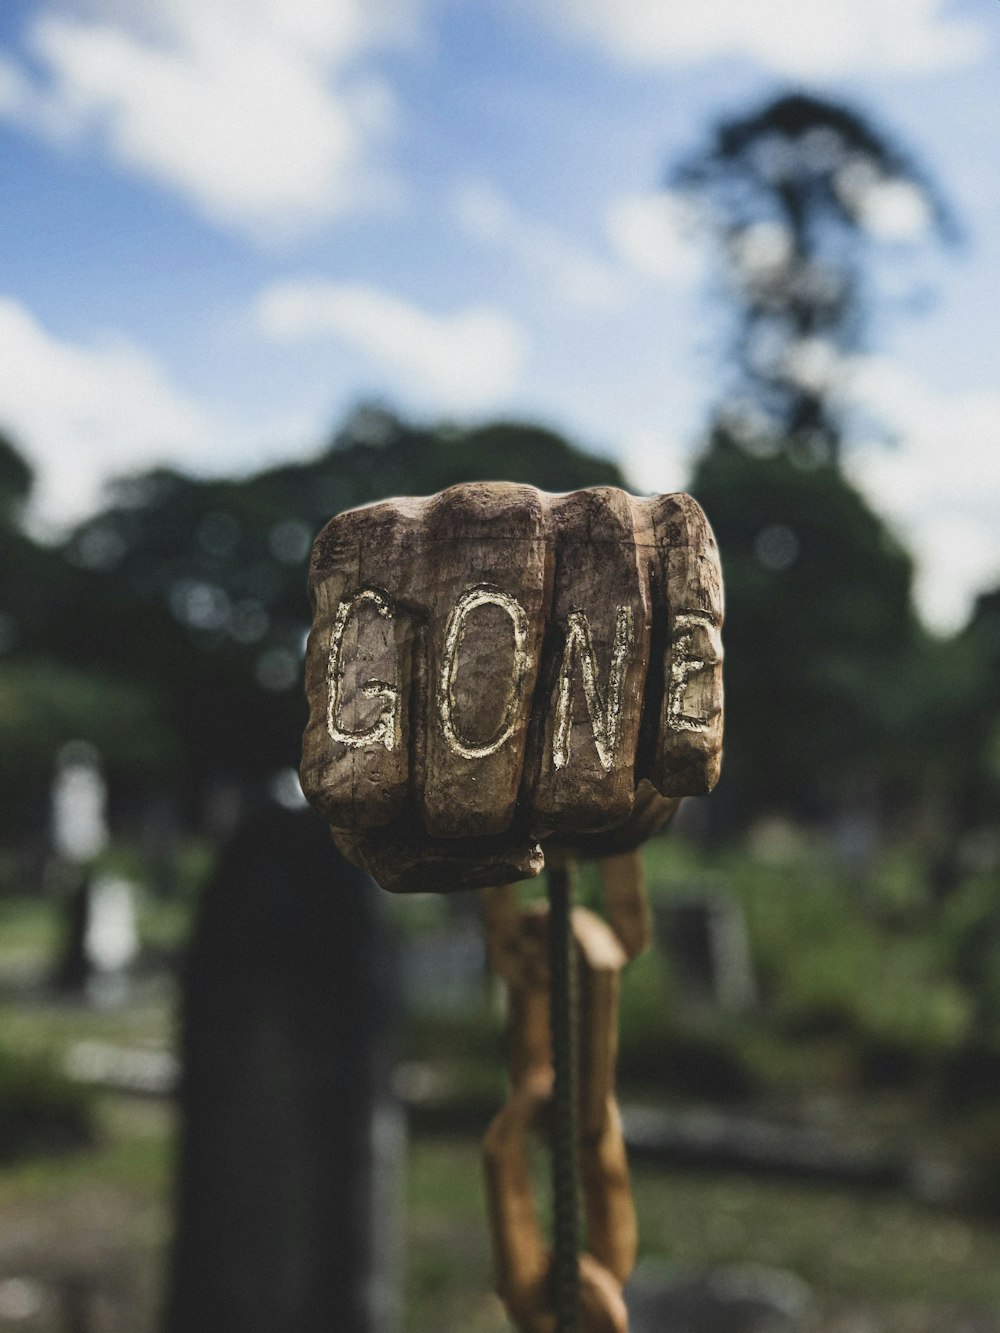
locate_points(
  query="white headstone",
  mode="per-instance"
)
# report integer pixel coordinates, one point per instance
(112, 939)
(79, 801)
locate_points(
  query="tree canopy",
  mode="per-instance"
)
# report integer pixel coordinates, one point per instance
(820, 632)
(196, 587)
(825, 650)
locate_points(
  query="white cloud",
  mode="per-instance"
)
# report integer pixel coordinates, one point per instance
(258, 112)
(655, 462)
(648, 236)
(654, 234)
(940, 483)
(82, 413)
(826, 39)
(461, 362)
(895, 210)
(576, 276)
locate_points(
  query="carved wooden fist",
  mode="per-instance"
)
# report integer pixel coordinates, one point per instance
(495, 671)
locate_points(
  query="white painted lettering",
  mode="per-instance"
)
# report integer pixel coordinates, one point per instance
(385, 730)
(686, 662)
(605, 713)
(470, 600)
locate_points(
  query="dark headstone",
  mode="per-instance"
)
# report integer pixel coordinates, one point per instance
(285, 1057)
(445, 970)
(722, 1300)
(73, 966)
(704, 936)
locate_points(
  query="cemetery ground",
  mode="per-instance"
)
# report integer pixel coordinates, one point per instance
(858, 1021)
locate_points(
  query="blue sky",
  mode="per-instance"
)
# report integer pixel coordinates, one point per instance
(225, 222)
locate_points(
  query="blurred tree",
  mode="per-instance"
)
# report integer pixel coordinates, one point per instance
(963, 720)
(824, 646)
(27, 570)
(45, 705)
(821, 638)
(16, 480)
(199, 585)
(794, 195)
(48, 695)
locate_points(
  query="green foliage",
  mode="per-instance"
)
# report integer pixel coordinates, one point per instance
(897, 889)
(45, 704)
(16, 481)
(168, 630)
(40, 1109)
(199, 587)
(969, 944)
(829, 964)
(821, 635)
(966, 720)
(645, 1007)
(837, 703)
(850, 1246)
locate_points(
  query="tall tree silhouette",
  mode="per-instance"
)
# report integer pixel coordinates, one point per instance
(822, 636)
(795, 195)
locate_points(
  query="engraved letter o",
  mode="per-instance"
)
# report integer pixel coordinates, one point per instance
(454, 634)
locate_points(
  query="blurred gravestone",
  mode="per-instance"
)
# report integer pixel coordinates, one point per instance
(286, 1199)
(444, 970)
(160, 834)
(79, 833)
(79, 800)
(704, 936)
(111, 937)
(723, 1300)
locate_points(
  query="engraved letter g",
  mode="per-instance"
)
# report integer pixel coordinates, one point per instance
(386, 728)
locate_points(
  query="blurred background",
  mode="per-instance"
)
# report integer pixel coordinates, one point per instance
(263, 260)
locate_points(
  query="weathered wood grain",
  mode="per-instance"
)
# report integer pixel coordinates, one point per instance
(359, 666)
(688, 751)
(523, 1263)
(407, 859)
(589, 706)
(483, 579)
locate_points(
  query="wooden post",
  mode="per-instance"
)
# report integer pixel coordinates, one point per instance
(496, 676)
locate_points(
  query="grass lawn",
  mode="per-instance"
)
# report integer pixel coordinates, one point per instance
(102, 1214)
(90, 1226)
(881, 1252)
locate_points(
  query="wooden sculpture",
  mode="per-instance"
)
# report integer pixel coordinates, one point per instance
(498, 677)
(494, 668)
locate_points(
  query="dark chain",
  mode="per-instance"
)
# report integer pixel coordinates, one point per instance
(565, 1155)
